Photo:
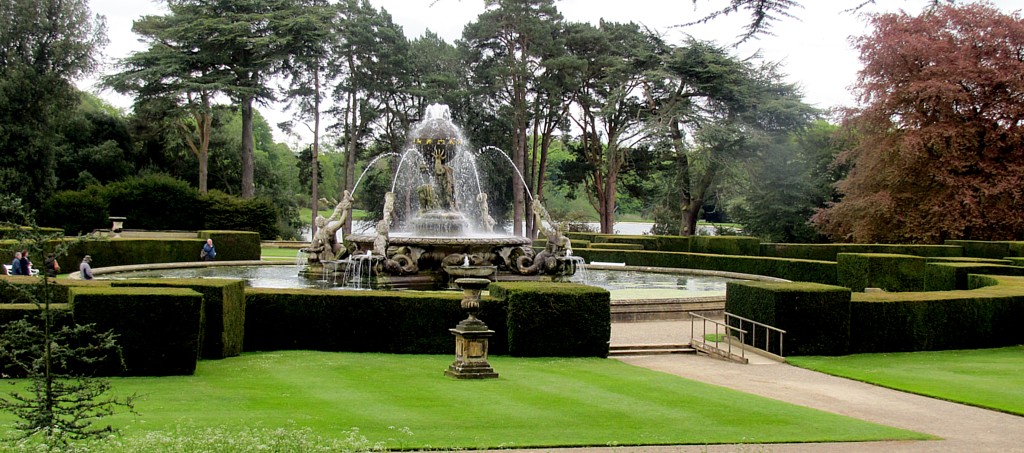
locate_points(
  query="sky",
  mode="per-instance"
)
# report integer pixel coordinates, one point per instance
(814, 48)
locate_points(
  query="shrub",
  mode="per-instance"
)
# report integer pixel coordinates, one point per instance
(556, 319)
(76, 212)
(226, 212)
(858, 271)
(156, 202)
(816, 317)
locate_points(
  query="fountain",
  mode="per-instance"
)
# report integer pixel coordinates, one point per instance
(436, 225)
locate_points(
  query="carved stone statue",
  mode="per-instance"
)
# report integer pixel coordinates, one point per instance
(326, 245)
(485, 215)
(444, 180)
(380, 243)
(558, 244)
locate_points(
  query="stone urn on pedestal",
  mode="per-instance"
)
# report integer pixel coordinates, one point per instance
(471, 335)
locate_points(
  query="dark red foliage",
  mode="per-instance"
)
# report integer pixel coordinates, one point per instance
(940, 151)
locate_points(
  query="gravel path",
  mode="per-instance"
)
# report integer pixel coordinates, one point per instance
(961, 428)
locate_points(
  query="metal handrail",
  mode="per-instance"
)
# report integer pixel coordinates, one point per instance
(730, 329)
(753, 337)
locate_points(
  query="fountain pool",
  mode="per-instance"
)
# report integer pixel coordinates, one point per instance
(617, 281)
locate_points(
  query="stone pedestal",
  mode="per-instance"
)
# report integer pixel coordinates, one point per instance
(117, 227)
(471, 336)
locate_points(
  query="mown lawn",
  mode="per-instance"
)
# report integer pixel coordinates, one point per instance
(989, 378)
(406, 402)
(278, 254)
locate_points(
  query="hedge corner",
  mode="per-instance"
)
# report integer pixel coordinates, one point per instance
(816, 317)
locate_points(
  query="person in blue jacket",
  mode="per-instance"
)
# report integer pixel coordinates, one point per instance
(208, 252)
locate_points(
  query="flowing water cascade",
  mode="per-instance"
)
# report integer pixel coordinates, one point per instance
(436, 222)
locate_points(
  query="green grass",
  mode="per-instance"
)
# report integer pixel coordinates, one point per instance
(406, 402)
(989, 378)
(278, 253)
(305, 214)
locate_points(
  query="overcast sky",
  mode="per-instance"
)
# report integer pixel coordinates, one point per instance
(814, 48)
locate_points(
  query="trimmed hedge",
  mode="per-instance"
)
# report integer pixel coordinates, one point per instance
(541, 243)
(953, 276)
(816, 317)
(790, 269)
(988, 249)
(858, 271)
(361, 321)
(726, 245)
(829, 252)
(12, 287)
(232, 245)
(14, 233)
(556, 319)
(982, 318)
(616, 246)
(158, 328)
(224, 312)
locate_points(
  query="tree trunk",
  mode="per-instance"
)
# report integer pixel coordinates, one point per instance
(248, 153)
(314, 176)
(350, 157)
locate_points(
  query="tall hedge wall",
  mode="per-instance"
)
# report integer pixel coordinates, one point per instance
(158, 328)
(988, 249)
(858, 271)
(361, 321)
(224, 312)
(726, 245)
(981, 318)
(952, 276)
(556, 319)
(816, 317)
(231, 246)
(790, 269)
(829, 252)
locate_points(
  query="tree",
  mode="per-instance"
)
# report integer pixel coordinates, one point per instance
(96, 148)
(715, 111)
(937, 153)
(44, 46)
(306, 66)
(765, 13)
(788, 181)
(369, 66)
(237, 46)
(606, 68)
(62, 400)
(507, 41)
(173, 82)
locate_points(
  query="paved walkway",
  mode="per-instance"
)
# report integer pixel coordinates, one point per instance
(962, 428)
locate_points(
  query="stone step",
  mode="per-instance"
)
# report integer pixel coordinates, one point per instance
(650, 349)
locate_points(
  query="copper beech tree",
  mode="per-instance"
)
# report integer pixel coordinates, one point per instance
(939, 150)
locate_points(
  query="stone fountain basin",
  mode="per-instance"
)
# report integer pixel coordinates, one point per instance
(470, 271)
(399, 239)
